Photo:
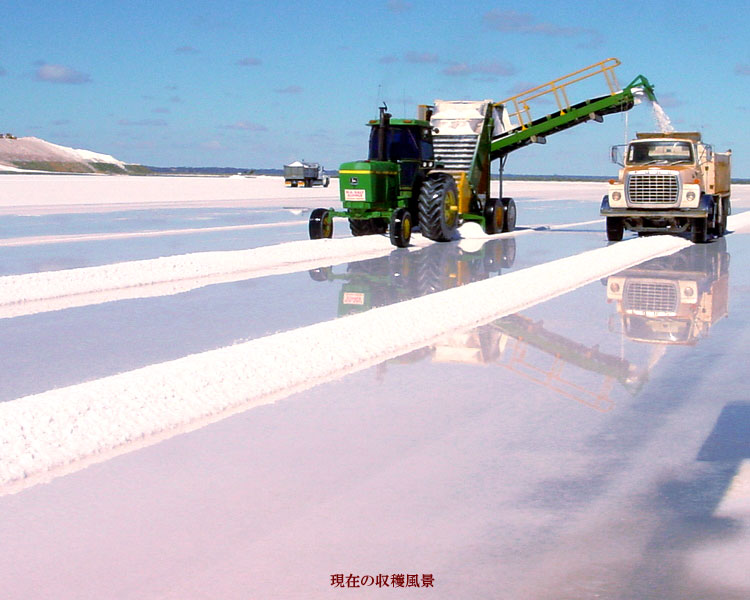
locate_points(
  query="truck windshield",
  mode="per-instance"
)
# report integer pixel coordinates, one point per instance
(402, 143)
(659, 152)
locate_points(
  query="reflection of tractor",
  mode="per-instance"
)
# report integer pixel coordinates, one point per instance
(401, 276)
(435, 168)
(673, 299)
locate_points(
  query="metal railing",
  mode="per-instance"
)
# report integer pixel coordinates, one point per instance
(558, 88)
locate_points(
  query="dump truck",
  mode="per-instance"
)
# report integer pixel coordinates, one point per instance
(302, 174)
(433, 171)
(673, 299)
(668, 183)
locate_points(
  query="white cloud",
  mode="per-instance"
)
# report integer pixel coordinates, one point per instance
(291, 89)
(249, 61)
(399, 6)
(510, 21)
(142, 123)
(60, 74)
(246, 126)
(485, 68)
(421, 57)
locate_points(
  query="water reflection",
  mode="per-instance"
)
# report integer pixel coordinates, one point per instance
(673, 299)
(403, 275)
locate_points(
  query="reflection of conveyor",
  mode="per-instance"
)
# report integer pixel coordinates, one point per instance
(507, 341)
(674, 299)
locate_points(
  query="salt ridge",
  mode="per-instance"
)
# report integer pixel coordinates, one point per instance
(63, 430)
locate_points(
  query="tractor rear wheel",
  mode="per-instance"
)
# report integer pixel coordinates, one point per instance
(493, 216)
(438, 207)
(367, 226)
(400, 230)
(509, 216)
(321, 224)
(615, 229)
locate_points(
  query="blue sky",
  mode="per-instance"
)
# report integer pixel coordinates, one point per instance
(258, 84)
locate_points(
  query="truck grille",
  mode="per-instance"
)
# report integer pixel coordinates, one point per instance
(646, 189)
(648, 296)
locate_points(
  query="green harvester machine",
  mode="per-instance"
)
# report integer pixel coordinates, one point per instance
(434, 171)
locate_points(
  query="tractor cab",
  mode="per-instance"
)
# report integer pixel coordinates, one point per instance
(407, 142)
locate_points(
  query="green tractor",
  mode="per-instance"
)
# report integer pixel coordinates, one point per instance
(434, 171)
(402, 184)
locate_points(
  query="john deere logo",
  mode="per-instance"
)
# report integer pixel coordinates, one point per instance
(353, 180)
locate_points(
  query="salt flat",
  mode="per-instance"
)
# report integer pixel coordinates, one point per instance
(496, 420)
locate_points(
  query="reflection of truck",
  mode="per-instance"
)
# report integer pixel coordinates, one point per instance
(669, 183)
(434, 170)
(301, 174)
(673, 299)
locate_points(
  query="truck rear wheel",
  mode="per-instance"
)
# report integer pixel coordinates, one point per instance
(438, 207)
(615, 229)
(400, 230)
(698, 230)
(509, 214)
(321, 224)
(721, 217)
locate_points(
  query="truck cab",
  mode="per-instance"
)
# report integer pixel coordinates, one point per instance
(668, 183)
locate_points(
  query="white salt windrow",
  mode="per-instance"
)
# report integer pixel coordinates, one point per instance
(63, 430)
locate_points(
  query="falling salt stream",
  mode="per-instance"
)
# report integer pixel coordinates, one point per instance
(662, 120)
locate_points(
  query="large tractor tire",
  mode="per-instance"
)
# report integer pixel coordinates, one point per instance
(615, 229)
(438, 207)
(321, 224)
(400, 229)
(367, 226)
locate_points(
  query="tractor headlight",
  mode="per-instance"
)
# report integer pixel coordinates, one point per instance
(616, 196)
(690, 196)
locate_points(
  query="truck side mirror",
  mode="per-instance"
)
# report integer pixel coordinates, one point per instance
(616, 155)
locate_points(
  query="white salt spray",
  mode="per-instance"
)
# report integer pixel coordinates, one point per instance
(660, 117)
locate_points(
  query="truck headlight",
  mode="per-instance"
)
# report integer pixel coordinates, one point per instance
(616, 196)
(690, 196)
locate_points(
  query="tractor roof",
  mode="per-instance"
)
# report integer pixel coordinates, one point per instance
(401, 122)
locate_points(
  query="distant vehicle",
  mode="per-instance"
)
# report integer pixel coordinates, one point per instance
(669, 183)
(301, 174)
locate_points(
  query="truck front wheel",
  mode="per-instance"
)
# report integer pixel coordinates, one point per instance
(615, 229)
(698, 229)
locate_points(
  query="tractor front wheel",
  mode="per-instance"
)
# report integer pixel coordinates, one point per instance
(400, 230)
(321, 224)
(438, 207)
